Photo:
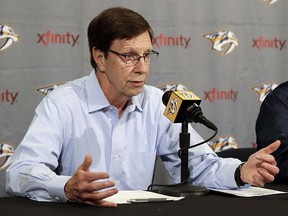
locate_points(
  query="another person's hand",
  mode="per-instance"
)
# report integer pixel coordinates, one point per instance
(83, 186)
(261, 166)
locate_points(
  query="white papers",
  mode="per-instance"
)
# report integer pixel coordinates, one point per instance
(136, 196)
(250, 191)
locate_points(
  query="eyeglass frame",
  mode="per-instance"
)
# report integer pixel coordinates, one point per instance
(123, 56)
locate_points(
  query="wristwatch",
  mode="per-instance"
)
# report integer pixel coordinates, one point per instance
(237, 176)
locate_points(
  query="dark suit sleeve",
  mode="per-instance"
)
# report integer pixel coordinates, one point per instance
(272, 124)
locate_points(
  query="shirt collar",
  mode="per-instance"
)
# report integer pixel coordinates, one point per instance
(97, 100)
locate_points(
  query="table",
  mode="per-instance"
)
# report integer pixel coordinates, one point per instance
(213, 203)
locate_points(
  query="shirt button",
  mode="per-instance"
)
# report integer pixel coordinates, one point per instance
(57, 199)
(116, 157)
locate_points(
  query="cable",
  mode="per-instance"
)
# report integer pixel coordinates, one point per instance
(150, 187)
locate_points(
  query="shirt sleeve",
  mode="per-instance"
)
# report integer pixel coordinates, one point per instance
(32, 172)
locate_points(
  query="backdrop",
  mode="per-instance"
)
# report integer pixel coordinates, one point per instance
(230, 53)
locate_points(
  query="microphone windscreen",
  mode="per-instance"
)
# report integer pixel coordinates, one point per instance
(166, 96)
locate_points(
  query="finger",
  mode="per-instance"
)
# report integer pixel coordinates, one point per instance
(272, 169)
(102, 203)
(102, 185)
(87, 163)
(267, 177)
(267, 159)
(96, 186)
(106, 204)
(271, 148)
(94, 176)
(98, 195)
(258, 181)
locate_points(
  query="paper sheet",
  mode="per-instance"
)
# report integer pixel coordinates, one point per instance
(135, 196)
(250, 191)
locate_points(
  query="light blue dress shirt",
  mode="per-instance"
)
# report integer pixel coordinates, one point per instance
(76, 119)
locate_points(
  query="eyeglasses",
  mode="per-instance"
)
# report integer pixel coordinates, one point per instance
(132, 59)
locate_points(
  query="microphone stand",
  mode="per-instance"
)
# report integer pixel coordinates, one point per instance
(184, 189)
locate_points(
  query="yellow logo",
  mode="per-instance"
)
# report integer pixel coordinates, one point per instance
(264, 90)
(173, 87)
(6, 152)
(46, 89)
(8, 36)
(269, 2)
(223, 41)
(223, 143)
(173, 106)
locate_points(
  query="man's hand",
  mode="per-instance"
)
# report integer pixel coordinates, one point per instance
(83, 186)
(261, 166)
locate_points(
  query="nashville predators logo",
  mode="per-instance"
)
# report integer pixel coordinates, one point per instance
(187, 95)
(6, 152)
(223, 41)
(8, 36)
(173, 106)
(173, 87)
(46, 89)
(269, 2)
(264, 90)
(223, 143)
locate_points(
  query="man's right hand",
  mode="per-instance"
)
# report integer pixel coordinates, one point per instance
(83, 186)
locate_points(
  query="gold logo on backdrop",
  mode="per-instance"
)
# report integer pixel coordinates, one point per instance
(173, 87)
(264, 90)
(7, 37)
(46, 89)
(6, 152)
(223, 41)
(223, 143)
(269, 2)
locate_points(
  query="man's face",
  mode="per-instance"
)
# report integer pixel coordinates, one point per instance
(123, 80)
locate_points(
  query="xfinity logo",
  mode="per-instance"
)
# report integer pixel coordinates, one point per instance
(274, 43)
(8, 97)
(216, 94)
(163, 40)
(56, 38)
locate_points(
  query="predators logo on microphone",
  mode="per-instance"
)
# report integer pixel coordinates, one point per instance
(269, 2)
(264, 90)
(223, 41)
(8, 37)
(173, 106)
(176, 99)
(6, 152)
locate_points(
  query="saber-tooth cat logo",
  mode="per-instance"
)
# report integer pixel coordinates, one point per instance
(223, 41)
(269, 2)
(8, 36)
(223, 143)
(264, 90)
(6, 152)
(46, 89)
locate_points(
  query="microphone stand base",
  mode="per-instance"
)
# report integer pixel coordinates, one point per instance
(183, 190)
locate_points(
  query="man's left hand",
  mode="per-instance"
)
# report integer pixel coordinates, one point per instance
(261, 166)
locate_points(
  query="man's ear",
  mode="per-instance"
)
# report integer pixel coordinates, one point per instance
(99, 58)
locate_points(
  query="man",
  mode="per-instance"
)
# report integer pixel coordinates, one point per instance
(101, 133)
(272, 124)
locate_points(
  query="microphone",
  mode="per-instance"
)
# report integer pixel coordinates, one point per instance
(184, 106)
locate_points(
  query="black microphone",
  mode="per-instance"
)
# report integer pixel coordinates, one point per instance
(184, 106)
